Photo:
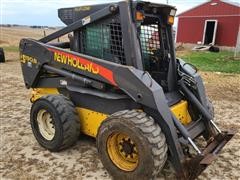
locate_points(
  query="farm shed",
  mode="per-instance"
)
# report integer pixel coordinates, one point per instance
(216, 22)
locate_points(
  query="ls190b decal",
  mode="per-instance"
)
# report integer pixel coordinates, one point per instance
(82, 64)
(25, 59)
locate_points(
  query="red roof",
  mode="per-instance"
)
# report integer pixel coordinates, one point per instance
(213, 8)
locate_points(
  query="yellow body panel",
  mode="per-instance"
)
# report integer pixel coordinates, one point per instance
(39, 92)
(91, 120)
(180, 110)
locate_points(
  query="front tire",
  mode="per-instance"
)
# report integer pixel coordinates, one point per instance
(54, 122)
(131, 145)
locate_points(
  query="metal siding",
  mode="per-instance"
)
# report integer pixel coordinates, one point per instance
(227, 31)
(190, 27)
(190, 30)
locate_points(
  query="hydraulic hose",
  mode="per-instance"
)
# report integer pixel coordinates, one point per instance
(192, 98)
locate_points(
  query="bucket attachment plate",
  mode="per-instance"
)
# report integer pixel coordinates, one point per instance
(196, 165)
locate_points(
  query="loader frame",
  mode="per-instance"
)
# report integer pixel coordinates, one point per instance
(95, 75)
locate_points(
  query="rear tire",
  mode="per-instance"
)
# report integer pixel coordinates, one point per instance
(54, 122)
(139, 150)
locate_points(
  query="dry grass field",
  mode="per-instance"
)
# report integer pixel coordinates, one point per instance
(11, 36)
(21, 157)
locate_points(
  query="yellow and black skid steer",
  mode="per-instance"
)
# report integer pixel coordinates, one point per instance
(117, 79)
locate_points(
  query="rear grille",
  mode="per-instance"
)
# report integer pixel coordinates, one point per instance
(104, 40)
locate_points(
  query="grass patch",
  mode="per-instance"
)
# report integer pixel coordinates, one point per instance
(205, 61)
(11, 48)
(209, 61)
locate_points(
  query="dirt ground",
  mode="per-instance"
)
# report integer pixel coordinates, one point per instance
(21, 157)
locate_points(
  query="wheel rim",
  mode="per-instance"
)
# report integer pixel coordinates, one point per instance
(122, 151)
(45, 124)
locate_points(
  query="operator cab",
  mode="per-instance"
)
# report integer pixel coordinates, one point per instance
(154, 23)
(148, 47)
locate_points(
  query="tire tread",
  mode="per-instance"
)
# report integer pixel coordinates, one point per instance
(151, 131)
(68, 117)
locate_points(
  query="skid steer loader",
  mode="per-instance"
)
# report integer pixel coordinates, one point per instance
(117, 79)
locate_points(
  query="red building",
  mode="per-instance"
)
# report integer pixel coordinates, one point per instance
(216, 22)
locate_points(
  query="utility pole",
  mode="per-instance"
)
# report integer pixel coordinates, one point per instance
(237, 48)
(167, 1)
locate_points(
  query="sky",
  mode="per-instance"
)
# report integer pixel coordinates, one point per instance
(44, 12)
